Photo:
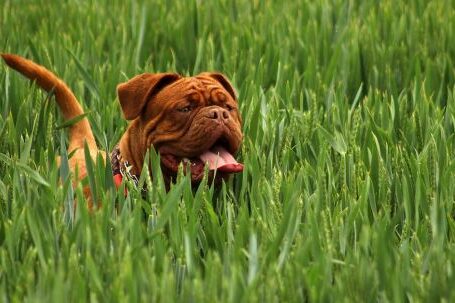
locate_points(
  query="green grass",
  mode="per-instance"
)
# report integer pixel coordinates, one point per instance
(349, 120)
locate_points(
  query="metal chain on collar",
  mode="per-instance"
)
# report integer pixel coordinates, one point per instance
(119, 166)
(125, 170)
(122, 167)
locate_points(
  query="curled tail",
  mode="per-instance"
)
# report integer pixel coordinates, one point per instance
(67, 102)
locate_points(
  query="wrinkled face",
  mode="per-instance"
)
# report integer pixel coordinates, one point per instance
(194, 122)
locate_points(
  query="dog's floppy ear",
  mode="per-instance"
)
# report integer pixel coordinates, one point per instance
(224, 82)
(134, 94)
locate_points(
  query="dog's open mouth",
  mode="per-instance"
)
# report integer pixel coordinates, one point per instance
(217, 158)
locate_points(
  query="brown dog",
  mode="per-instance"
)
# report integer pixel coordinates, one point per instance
(193, 121)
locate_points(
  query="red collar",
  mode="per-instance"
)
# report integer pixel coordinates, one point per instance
(118, 178)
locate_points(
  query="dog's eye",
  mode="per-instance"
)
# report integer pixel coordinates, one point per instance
(229, 107)
(185, 109)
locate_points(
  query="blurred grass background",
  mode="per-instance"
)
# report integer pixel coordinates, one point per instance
(348, 114)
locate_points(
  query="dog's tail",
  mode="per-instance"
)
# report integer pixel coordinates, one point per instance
(67, 102)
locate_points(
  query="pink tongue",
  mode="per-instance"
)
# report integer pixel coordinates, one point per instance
(220, 159)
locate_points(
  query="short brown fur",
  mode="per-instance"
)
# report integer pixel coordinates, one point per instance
(153, 103)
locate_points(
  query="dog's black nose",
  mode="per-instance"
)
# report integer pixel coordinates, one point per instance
(218, 113)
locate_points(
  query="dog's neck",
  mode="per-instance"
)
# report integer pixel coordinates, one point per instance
(132, 147)
(131, 141)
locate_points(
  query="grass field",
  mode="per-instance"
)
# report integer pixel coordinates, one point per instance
(348, 191)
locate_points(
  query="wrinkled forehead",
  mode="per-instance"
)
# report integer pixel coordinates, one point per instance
(200, 89)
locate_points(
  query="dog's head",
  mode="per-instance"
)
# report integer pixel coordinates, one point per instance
(193, 121)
